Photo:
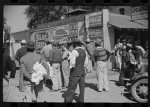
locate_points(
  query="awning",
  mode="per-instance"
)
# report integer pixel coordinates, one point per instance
(123, 21)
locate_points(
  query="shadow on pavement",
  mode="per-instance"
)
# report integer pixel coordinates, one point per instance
(91, 85)
(74, 98)
(128, 96)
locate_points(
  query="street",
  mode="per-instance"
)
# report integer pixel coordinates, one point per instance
(115, 95)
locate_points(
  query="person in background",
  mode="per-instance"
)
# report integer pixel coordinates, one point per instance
(78, 62)
(26, 63)
(55, 60)
(7, 63)
(46, 49)
(89, 50)
(113, 60)
(21, 52)
(123, 54)
(101, 57)
(65, 64)
(117, 51)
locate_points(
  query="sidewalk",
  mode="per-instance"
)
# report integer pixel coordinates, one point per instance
(91, 94)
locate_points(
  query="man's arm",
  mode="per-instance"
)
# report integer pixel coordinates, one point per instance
(73, 58)
(24, 72)
(86, 60)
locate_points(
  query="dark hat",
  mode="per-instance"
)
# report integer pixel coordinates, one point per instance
(123, 40)
(98, 41)
(31, 45)
(77, 41)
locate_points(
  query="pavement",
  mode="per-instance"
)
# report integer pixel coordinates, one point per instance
(115, 94)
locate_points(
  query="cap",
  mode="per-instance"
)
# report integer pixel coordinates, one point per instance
(23, 41)
(31, 45)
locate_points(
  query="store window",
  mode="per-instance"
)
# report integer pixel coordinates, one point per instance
(122, 11)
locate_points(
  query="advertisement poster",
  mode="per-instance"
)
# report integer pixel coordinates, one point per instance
(41, 38)
(60, 32)
(139, 12)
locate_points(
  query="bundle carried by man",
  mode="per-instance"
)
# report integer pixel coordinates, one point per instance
(38, 73)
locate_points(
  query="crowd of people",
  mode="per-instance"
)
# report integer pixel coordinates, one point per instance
(125, 53)
(70, 61)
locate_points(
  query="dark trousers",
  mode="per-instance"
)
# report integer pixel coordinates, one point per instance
(122, 72)
(73, 82)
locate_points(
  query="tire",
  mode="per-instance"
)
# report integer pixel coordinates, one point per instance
(134, 90)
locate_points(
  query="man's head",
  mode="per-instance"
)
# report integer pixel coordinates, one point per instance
(48, 42)
(23, 43)
(30, 46)
(70, 47)
(88, 41)
(118, 40)
(124, 42)
(98, 43)
(55, 44)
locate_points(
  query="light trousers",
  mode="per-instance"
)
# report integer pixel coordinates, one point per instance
(56, 79)
(66, 72)
(102, 76)
(34, 93)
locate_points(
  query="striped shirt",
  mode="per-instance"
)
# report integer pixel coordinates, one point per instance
(100, 54)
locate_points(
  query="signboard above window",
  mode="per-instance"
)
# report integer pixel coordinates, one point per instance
(139, 12)
(93, 19)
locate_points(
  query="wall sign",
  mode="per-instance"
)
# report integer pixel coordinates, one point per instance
(97, 32)
(93, 19)
(139, 12)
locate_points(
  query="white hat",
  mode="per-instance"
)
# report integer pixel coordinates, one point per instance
(23, 41)
(88, 40)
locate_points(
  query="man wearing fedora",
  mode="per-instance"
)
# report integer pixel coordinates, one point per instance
(78, 62)
(26, 63)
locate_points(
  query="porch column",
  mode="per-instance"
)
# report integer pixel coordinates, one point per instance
(106, 36)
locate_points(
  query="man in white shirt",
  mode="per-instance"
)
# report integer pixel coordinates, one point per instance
(78, 61)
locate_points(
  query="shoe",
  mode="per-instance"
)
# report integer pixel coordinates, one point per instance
(106, 90)
(100, 90)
